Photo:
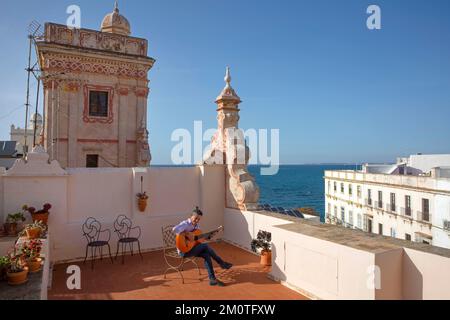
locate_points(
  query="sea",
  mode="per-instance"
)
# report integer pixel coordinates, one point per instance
(296, 186)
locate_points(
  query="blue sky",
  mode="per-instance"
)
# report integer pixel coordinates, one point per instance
(337, 91)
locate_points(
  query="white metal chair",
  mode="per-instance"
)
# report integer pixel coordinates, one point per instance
(173, 260)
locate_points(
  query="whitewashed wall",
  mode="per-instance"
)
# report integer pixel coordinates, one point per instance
(106, 193)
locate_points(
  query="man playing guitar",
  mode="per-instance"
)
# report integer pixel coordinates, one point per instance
(201, 250)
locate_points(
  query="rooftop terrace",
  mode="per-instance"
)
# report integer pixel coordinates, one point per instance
(141, 279)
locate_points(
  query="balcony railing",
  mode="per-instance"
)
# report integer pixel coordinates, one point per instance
(369, 202)
(379, 204)
(424, 216)
(406, 212)
(391, 207)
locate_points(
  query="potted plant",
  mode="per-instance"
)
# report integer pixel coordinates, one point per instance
(31, 253)
(34, 230)
(262, 245)
(17, 272)
(4, 265)
(142, 201)
(11, 223)
(41, 215)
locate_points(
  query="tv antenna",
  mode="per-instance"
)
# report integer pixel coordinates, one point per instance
(34, 33)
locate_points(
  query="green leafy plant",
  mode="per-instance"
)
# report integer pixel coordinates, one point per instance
(34, 225)
(15, 217)
(142, 195)
(263, 242)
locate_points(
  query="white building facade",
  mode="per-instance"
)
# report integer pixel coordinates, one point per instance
(404, 200)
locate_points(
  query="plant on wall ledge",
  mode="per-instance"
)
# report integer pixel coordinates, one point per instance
(12, 221)
(41, 215)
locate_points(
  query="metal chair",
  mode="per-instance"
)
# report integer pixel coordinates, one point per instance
(127, 236)
(170, 252)
(92, 230)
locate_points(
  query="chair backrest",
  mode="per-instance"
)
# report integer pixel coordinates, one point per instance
(169, 237)
(122, 226)
(92, 229)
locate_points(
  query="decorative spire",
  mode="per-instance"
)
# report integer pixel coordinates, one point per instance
(116, 6)
(228, 78)
(228, 92)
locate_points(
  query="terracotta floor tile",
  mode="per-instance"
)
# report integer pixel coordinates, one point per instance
(144, 279)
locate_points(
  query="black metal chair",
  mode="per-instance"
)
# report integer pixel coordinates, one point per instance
(92, 230)
(127, 235)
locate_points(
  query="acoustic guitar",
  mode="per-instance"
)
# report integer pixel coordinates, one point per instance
(185, 245)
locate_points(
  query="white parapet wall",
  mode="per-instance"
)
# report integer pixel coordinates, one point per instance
(329, 262)
(104, 194)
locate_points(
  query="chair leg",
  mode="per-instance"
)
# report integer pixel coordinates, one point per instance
(123, 253)
(139, 248)
(195, 262)
(117, 252)
(131, 247)
(101, 253)
(93, 257)
(85, 257)
(110, 256)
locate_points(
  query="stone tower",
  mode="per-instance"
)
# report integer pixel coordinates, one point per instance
(95, 94)
(228, 147)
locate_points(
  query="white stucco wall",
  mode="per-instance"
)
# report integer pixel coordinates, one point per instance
(106, 193)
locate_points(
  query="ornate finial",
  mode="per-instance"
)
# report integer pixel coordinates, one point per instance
(228, 92)
(116, 6)
(228, 77)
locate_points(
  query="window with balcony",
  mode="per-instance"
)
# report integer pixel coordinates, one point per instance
(335, 187)
(408, 205)
(369, 197)
(393, 205)
(342, 188)
(350, 189)
(393, 233)
(359, 221)
(425, 210)
(350, 218)
(329, 187)
(380, 229)
(380, 199)
(335, 211)
(343, 214)
(358, 191)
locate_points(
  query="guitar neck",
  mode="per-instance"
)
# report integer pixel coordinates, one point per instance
(207, 235)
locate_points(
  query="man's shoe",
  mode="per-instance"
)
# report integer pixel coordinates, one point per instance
(216, 282)
(226, 265)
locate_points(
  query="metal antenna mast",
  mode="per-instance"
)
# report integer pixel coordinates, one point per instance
(33, 32)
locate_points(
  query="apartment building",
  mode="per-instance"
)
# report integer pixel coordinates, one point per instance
(407, 200)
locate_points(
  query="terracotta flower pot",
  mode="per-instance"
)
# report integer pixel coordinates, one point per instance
(33, 233)
(266, 258)
(40, 217)
(142, 204)
(17, 278)
(10, 229)
(34, 265)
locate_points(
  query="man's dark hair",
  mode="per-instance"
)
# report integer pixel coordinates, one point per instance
(197, 211)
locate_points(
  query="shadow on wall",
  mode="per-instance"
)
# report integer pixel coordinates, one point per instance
(412, 280)
(280, 274)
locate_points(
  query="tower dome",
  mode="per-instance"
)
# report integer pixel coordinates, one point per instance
(114, 22)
